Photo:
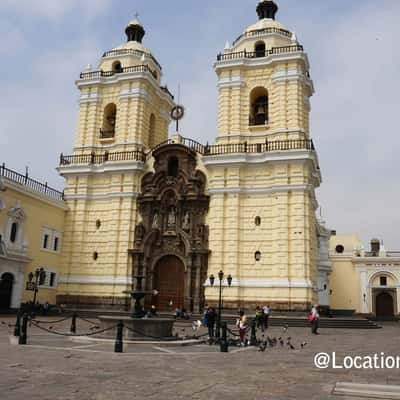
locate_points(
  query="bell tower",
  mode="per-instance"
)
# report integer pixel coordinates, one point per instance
(264, 170)
(122, 104)
(124, 112)
(264, 83)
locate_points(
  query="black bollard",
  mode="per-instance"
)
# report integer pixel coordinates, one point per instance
(73, 324)
(253, 337)
(24, 331)
(118, 340)
(224, 339)
(17, 329)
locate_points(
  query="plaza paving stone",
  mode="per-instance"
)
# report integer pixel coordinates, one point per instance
(57, 368)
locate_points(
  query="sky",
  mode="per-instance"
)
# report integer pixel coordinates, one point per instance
(351, 44)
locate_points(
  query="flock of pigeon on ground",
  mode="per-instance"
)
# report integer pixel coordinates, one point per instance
(263, 343)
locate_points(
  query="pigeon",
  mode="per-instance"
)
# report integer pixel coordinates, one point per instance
(275, 341)
(281, 342)
(291, 346)
(196, 325)
(262, 346)
(303, 344)
(285, 328)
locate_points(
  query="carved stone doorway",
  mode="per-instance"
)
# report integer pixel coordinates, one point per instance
(169, 280)
(384, 304)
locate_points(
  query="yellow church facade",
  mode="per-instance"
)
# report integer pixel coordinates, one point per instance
(176, 211)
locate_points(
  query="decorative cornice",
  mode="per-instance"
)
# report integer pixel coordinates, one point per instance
(89, 280)
(261, 190)
(35, 195)
(268, 284)
(233, 81)
(222, 137)
(105, 196)
(262, 62)
(131, 166)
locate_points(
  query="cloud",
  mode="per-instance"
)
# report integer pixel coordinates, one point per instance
(55, 9)
(355, 121)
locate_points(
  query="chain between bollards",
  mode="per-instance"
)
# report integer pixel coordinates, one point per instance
(253, 337)
(73, 324)
(118, 348)
(24, 331)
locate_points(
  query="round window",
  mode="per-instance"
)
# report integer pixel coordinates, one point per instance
(339, 249)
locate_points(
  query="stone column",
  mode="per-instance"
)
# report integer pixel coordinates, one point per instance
(364, 300)
(188, 295)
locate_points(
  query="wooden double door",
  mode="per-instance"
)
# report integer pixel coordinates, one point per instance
(384, 303)
(169, 281)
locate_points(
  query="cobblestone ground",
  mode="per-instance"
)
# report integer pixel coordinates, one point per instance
(56, 368)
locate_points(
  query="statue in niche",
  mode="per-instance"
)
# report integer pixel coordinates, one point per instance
(156, 221)
(186, 221)
(139, 232)
(171, 218)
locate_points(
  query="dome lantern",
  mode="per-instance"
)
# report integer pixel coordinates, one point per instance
(134, 31)
(267, 9)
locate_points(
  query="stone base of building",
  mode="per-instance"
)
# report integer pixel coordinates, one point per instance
(274, 305)
(106, 302)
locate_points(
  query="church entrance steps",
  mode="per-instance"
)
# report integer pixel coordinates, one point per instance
(367, 391)
(281, 320)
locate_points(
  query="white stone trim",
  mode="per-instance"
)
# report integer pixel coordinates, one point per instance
(116, 195)
(222, 137)
(233, 81)
(270, 283)
(125, 166)
(126, 76)
(224, 160)
(35, 195)
(292, 75)
(262, 190)
(123, 145)
(90, 98)
(263, 61)
(135, 93)
(90, 280)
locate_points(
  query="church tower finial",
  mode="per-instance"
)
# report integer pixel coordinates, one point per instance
(134, 31)
(267, 9)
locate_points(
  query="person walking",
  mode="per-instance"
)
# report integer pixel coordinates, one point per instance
(242, 325)
(314, 318)
(266, 311)
(258, 317)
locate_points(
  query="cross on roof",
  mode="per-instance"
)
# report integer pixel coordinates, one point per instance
(136, 15)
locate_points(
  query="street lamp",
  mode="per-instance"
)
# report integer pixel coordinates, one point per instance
(39, 276)
(212, 281)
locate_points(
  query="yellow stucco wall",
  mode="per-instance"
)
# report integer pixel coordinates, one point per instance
(41, 212)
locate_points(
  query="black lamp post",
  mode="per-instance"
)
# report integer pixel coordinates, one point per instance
(212, 281)
(39, 276)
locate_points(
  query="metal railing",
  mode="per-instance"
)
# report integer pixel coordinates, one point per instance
(206, 150)
(106, 74)
(265, 31)
(127, 52)
(30, 183)
(258, 54)
(93, 158)
(166, 90)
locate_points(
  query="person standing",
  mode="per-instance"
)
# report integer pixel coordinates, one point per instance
(242, 325)
(210, 318)
(266, 311)
(314, 317)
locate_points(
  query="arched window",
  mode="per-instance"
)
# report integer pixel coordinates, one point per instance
(109, 121)
(116, 67)
(13, 232)
(173, 166)
(152, 130)
(259, 49)
(259, 106)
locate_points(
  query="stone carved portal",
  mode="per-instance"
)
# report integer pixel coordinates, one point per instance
(171, 243)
